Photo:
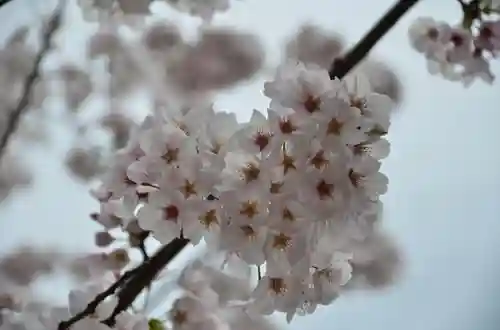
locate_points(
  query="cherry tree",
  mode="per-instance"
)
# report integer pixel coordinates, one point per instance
(287, 205)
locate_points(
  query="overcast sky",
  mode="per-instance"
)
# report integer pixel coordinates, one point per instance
(444, 169)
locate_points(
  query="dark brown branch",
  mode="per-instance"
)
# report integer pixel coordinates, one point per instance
(343, 65)
(131, 283)
(149, 270)
(91, 307)
(14, 115)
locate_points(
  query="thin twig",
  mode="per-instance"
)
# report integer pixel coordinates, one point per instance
(14, 115)
(341, 66)
(91, 307)
(145, 276)
(131, 283)
(143, 250)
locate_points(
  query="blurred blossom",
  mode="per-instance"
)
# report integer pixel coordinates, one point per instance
(119, 125)
(382, 79)
(85, 164)
(312, 44)
(77, 85)
(220, 59)
(13, 174)
(161, 37)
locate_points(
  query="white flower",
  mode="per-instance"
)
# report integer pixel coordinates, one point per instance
(165, 213)
(255, 137)
(321, 193)
(170, 143)
(205, 221)
(489, 36)
(244, 172)
(342, 125)
(288, 215)
(458, 44)
(213, 139)
(378, 148)
(424, 35)
(274, 292)
(284, 249)
(246, 241)
(331, 273)
(247, 207)
(477, 67)
(191, 179)
(286, 125)
(365, 176)
(300, 88)
(187, 312)
(117, 182)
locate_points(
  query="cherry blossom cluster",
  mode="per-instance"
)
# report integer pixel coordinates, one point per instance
(292, 194)
(289, 193)
(461, 52)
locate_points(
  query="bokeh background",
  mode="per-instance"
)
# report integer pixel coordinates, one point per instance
(443, 204)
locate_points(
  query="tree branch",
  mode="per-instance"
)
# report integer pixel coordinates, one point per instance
(91, 307)
(341, 66)
(131, 283)
(145, 276)
(14, 115)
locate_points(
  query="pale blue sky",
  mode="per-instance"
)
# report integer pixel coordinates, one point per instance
(444, 169)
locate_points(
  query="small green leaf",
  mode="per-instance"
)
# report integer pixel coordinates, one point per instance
(155, 324)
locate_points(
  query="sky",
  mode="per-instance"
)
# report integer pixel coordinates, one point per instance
(444, 170)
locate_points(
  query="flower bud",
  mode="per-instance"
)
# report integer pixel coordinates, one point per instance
(120, 126)
(84, 163)
(117, 259)
(103, 239)
(161, 37)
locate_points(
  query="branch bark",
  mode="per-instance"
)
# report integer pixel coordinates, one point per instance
(341, 66)
(14, 115)
(130, 285)
(91, 307)
(147, 273)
